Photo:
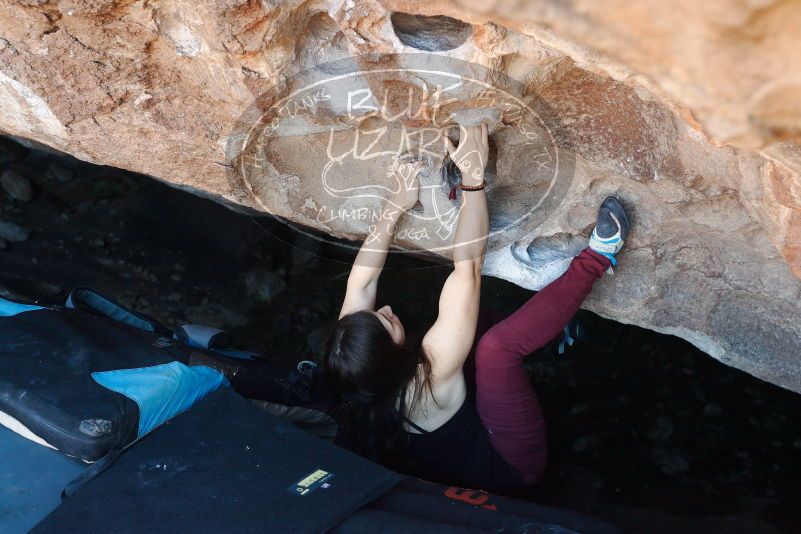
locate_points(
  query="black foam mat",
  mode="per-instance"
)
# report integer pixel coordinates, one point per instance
(224, 466)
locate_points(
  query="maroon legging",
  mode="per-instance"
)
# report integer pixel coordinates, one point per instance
(505, 398)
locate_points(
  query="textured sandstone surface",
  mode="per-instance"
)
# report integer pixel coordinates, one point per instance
(689, 111)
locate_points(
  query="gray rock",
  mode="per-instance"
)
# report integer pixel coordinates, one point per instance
(7, 293)
(16, 186)
(712, 409)
(580, 444)
(577, 409)
(263, 286)
(476, 116)
(10, 151)
(145, 273)
(14, 232)
(670, 462)
(431, 34)
(317, 339)
(550, 250)
(59, 174)
(662, 429)
(51, 290)
(141, 303)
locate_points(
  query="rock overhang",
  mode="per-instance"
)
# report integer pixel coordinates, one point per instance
(165, 88)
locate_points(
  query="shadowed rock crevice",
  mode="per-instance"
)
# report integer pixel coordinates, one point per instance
(546, 250)
(431, 34)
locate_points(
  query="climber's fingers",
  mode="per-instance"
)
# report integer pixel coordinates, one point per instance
(464, 134)
(449, 145)
(473, 135)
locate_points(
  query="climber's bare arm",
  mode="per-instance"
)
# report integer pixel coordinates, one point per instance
(363, 280)
(449, 340)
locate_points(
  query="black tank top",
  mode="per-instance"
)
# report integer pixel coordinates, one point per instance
(458, 453)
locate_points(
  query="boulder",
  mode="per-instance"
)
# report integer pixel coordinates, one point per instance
(16, 186)
(688, 111)
(13, 232)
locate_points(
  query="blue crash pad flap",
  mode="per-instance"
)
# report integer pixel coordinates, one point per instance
(111, 309)
(31, 479)
(162, 391)
(9, 308)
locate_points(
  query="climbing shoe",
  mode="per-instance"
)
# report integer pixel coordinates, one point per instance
(611, 229)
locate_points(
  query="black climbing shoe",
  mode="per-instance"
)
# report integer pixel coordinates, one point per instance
(611, 229)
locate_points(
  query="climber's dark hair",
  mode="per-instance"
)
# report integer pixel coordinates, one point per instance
(369, 374)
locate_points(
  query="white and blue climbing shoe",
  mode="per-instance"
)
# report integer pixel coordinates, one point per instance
(611, 229)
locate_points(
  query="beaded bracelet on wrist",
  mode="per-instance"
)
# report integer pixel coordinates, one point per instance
(478, 187)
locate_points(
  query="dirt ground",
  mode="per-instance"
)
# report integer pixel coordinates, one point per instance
(644, 430)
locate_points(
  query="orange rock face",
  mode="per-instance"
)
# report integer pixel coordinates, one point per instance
(689, 111)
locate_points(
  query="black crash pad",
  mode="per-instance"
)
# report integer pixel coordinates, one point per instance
(226, 466)
(429, 508)
(223, 466)
(31, 479)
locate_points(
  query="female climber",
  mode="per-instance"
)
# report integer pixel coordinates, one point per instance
(444, 409)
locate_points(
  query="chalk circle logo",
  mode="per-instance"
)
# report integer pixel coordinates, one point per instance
(331, 148)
